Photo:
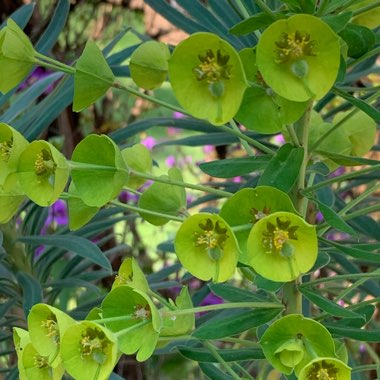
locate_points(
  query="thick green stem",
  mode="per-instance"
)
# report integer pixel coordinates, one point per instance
(242, 9)
(223, 363)
(266, 9)
(292, 298)
(131, 328)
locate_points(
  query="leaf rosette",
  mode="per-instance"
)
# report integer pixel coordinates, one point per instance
(291, 342)
(206, 247)
(89, 351)
(299, 57)
(248, 206)
(16, 56)
(281, 246)
(42, 172)
(207, 77)
(139, 330)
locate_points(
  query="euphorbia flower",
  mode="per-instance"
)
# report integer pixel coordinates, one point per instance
(299, 57)
(207, 247)
(325, 368)
(207, 77)
(293, 341)
(281, 246)
(42, 172)
(139, 331)
(131, 274)
(248, 206)
(16, 56)
(262, 110)
(47, 325)
(89, 351)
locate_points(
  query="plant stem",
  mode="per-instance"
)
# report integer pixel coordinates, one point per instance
(242, 9)
(370, 53)
(242, 227)
(340, 178)
(341, 277)
(245, 144)
(54, 68)
(123, 318)
(145, 211)
(367, 367)
(152, 99)
(223, 363)
(292, 297)
(170, 181)
(366, 8)
(162, 300)
(131, 328)
(293, 135)
(263, 148)
(222, 306)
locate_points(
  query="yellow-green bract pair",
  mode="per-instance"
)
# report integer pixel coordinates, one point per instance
(270, 237)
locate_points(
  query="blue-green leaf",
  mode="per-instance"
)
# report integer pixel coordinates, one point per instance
(31, 289)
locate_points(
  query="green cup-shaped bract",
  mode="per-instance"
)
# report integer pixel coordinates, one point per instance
(325, 368)
(149, 64)
(37, 367)
(262, 110)
(181, 324)
(79, 212)
(20, 339)
(299, 57)
(360, 129)
(16, 56)
(163, 198)
(12, 144)
(140, 330)
(103, 173)
(281, 246)
(207, 247)
(9, 204)
(207, 77)
(292, 341)
(42, 172)
(92, 78)
(250, 205)
(131, 274)
(89, 351)
(137, 157)
(47, 325)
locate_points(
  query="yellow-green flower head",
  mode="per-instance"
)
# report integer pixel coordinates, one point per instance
(291, 342)
(299, 57)
(42, 172)
(131, 274)
(16, 56)
(207, 77)
(207, 247)
(89, 351)
(325, 369)
(281, 246)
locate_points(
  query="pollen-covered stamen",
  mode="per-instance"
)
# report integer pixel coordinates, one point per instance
(322, 371)
(44, 163)
(92, 341)
(6, 149)
(257, 214)
(51, 326)
(142, 312)
(294, 46)
(123, 278)
(213, 67)
(41, 361)
(213, 236)
(277, 235)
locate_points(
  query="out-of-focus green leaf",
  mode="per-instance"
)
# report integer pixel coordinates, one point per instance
(76, 244)
(229, 355)
(234, 322)
(213, 372)
(328, 306)
(232, 167)
(31, 289)
(337, 22)
(234, 294)
(283, 169)
(347, 160)
(56, 24)
(249, 25)
(22, 15)
(359, 39)
(354, 333)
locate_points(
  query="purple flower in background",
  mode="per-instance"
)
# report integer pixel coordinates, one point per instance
(211, 299)
(170, 161)
(279, 139)
(319, 217)
(208, 149)
(341, 170)
(37, 74)
(178, 115)
(149, 142)
(125, 197)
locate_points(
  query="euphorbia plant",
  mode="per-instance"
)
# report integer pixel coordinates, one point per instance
(259, 234)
